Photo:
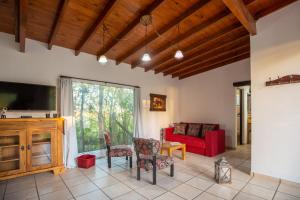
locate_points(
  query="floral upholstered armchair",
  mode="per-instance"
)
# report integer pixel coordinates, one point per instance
(148, 157)
(116, 151)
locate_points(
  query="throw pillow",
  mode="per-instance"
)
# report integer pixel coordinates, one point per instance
(179, 129)
(193, 129)
(207, 127)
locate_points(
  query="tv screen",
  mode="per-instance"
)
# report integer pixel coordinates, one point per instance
(20, 96)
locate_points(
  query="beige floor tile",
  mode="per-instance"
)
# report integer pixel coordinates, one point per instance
(23, 194)
(207, 196)
(114, 169)
(50, 187)
(182, 176)
(133, 183)
(169, 196)
(259, 191)
(265, 181)
(116, 190)
(245, 196)
(235, 184)
(57, 195)
(131, 196)
(186, 191)
(240, 175)
(71, 173)
(106, 181)
(19, 184)
(200, 183)
(97, 194)
(289, 188)
(47, 179)
(283, 196)
(168, 183)
(151, 191)
(222, 191)
(84, 188)
(125, 175)
(96, 174)
(77, 180)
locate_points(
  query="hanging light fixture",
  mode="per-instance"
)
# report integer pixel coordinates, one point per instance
(178, 54)
(102, 59)
(146, 20)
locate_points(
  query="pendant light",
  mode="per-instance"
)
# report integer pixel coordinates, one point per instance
(178, 54)
(102, 59)
(146, 20)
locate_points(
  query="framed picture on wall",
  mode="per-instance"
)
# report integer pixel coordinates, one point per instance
(158, 102)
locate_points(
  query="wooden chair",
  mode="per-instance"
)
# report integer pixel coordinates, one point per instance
(116, 151)
(148, 157)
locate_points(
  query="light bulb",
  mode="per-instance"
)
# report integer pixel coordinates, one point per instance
(146, 57)
(102, 59)
(178, 54)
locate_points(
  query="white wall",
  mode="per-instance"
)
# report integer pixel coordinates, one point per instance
(41, 66)
(210, 97)
(275, 51)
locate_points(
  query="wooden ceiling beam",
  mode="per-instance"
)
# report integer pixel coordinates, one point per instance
(226, 30)
(17, 20)
(129, 27)
(220, 64)
(186, 35)
(61, 10)
(96, 25)
(245, 39)
(164, 29)
(241, 12)
(23, 10)
(216, 58)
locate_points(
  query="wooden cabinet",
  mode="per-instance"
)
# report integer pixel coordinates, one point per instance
(29, 146)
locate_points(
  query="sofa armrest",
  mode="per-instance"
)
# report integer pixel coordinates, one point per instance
(168, 133)
(215, 142)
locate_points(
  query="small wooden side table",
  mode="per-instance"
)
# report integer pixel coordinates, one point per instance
(168, 146)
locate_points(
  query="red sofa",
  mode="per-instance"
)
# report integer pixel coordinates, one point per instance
(213, 143)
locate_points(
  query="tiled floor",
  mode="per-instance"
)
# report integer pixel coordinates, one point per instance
(193, 180)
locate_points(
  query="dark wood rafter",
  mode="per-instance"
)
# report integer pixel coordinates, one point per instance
(186, 35)
(224, 55)
(17, 20)
(96, 25)
(221, 63)
(196, 44)
(241, 12)
(211, 52)
(23, 8)
(129, 27)
(164, 29)
(61, 10)
(201, 49)
(273, 8)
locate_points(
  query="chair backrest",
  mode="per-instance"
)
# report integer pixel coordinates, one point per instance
(146, 146)
(107, 138)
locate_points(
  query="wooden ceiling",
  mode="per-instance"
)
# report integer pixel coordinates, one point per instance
(212, 33)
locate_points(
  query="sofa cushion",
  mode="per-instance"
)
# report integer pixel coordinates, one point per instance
(180, 129)
(193, 129)
(207, 127)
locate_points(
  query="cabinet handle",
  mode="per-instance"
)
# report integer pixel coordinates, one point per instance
(28, 147)
(22, 147)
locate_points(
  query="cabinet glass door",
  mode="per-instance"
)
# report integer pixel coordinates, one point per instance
(41, 148)
(12, 151)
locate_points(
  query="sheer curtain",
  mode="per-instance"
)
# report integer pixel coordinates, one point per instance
(70, 137)
(137, 120)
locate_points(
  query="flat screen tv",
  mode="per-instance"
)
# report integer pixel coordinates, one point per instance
(22, 97)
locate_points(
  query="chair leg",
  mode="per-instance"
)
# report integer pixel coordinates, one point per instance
(154, 174)
(130, 161)
(138, 175)
(109, 161)
(172, 170)
(126, 157)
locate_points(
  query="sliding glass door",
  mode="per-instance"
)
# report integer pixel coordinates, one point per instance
(98, 108)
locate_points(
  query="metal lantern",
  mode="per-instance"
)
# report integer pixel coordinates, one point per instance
(222, 171)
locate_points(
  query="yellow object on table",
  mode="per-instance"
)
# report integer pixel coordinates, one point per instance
(171, 146)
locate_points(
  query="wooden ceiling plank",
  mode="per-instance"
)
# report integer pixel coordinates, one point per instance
(276, 6)
(164, 29)
(201, 42)
(186, 35)
(224, 55)
(61, 10)
(241, 12)
(225, 62)
(23, 9)
(96, 25)
(130, 26)
(213, 51)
